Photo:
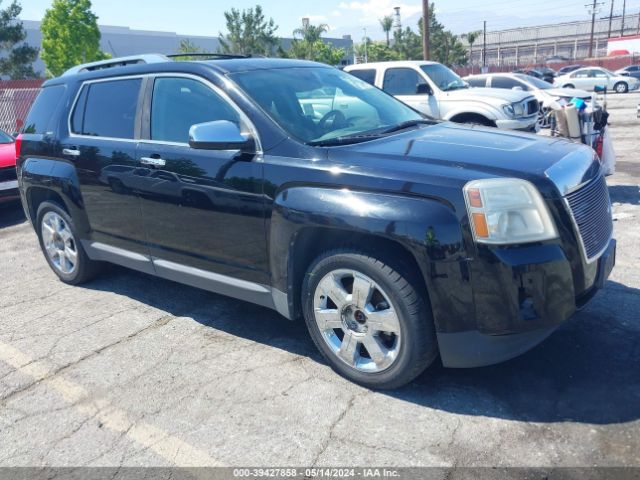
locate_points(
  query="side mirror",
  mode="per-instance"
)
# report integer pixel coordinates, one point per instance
(518, 89)
(423, 89)
(218, 135)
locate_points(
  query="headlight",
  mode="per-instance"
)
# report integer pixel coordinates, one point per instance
(507, 211)
(508, 109)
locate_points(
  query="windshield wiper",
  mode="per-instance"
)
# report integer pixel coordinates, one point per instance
(346, 140)
(408, 124)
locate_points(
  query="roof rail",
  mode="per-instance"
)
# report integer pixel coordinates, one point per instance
(118, 62)
(207, 55)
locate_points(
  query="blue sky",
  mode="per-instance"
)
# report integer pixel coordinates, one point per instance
(205, 17)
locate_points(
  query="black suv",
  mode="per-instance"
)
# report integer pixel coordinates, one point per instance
(301, 188)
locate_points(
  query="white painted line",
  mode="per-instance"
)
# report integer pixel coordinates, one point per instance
(175, 450)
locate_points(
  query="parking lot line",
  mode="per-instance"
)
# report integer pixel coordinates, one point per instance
(175, 450)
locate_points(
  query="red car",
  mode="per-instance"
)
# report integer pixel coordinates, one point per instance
(8, 178)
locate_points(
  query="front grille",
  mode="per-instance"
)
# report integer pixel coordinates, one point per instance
(591, 209)
(8, 174)
(532, 107)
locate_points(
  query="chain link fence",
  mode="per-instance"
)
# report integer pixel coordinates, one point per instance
(16, 98)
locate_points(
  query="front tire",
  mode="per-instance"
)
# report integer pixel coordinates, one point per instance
(621, 87)
(61, 246)
(368, 319)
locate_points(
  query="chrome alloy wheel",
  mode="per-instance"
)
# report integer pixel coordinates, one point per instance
(357, 321)
(59, 243)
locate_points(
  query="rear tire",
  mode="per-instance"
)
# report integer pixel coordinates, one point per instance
(380, 333)
(61, 245)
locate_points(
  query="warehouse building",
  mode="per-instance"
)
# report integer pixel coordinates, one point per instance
(123, 41)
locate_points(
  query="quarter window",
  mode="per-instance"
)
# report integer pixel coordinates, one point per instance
(180, 103)
(401, 81)
(41, 114)
(107, 109)
(368, 76)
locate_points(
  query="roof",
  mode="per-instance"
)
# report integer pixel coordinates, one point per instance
(395, 63)
(155, 63)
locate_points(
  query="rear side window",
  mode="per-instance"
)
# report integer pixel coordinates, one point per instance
(476, 82)
(107, 109)
(42, 112)
(506, 82)
(368, 76)
(401, 81)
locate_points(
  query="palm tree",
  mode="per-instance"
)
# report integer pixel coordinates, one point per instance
(311, 33)
(387, 24)
(471, 38)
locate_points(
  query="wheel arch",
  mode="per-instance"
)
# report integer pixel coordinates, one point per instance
(424, 234)
(469, 117)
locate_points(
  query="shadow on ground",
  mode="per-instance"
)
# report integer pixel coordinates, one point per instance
(11, 214)
(587, 371)
(625, 194)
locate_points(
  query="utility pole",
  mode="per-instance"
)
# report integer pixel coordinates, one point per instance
(624, 12)
(366, 41)
(594, 11)
(610, 19)
(425, 29)
(638, 29)
(484, 47)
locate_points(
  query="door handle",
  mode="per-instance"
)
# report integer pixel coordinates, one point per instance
(156, 162)
(72, 152)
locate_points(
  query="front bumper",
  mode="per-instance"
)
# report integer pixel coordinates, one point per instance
(527, 124)
(522, 296)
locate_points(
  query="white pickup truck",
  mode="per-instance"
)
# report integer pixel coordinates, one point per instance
(437, 91)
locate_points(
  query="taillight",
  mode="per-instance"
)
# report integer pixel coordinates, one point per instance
(18, 145)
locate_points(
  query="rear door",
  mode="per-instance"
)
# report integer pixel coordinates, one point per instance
(103, 132)
(202, 209)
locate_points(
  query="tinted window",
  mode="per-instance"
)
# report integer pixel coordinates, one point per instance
(401, 81)
(506, 82)
(476, 82)
(180, 103)
(368, 76)
(43, 109)
(109, 109)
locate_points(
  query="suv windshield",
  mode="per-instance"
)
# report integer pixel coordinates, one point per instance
(445, 78)
(320, 105)
(536, 82)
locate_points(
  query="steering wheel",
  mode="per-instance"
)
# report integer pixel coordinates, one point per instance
(332, 121)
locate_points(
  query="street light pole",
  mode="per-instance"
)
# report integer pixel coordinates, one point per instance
(366, 53)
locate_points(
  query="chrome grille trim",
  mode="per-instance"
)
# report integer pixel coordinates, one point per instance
(590, 209)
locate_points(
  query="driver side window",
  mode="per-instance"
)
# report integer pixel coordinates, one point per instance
(178, 103)
(401, 81)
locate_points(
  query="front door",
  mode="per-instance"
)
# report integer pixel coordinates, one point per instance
(202, 209)
(403, 84)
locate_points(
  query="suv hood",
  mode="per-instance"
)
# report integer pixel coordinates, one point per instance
(448, 152)
(493, 96)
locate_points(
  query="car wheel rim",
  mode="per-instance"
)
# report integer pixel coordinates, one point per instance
(357, 320)
(543, 117)
(620, 88)
(59, 243)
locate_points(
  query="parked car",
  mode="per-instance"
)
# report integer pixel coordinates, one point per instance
(397, 238)
(542, 73)
(437, 91)
(544, 92)
(554, 59)
(568, 69)
(8, 178)
(591, 77)
(630, 71)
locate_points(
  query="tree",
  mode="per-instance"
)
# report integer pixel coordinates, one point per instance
(186, 48)
(70, 36)
(311, 46)
(376, 51)
(249, 33)
(407, 44)
(17, 60)
(471, 39)
(445, 47)
(387, 24)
